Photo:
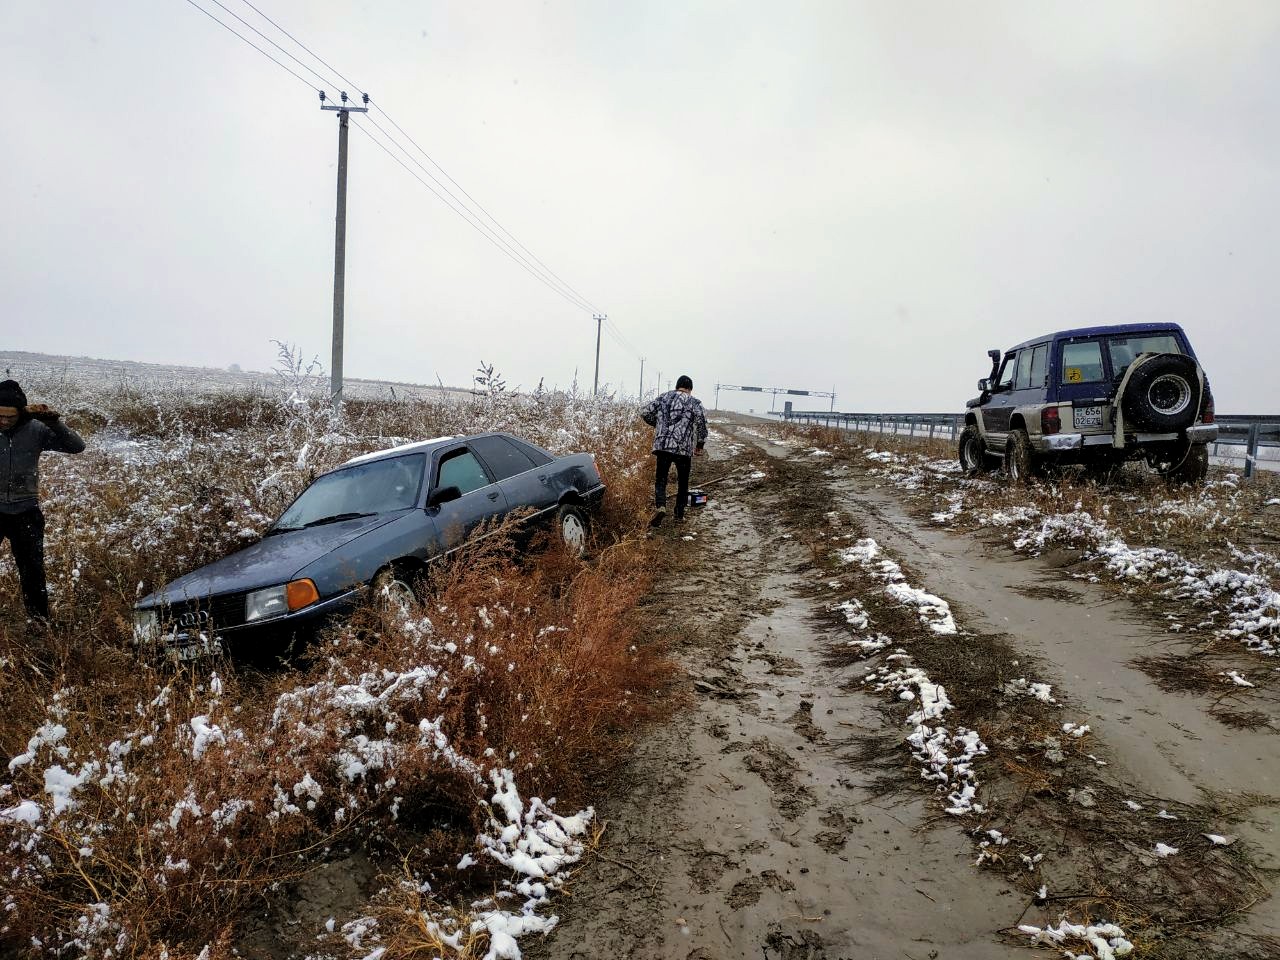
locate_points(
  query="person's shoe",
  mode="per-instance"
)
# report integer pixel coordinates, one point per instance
(659, 514)
(679, 518)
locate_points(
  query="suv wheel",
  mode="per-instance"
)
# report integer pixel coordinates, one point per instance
(1019, 458)
(973, 452)
(1161, 394)
(1193, 469)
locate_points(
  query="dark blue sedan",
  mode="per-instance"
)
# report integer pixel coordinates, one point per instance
(376, 521)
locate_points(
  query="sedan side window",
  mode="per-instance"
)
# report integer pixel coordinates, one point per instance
(502, 459)
(462, 470)
(1082, 362)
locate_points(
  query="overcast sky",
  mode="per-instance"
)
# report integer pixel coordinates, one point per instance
(863, 196)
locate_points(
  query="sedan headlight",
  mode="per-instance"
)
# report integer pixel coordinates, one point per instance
(277, 601)
(146, 625)
(261, 604)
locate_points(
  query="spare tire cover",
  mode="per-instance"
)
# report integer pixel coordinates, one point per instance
(1163, 394)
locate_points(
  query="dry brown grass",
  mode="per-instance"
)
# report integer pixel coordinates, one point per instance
(534, 663)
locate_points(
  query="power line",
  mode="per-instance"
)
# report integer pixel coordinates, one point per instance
(232, 31)
(527, 261)
(524, 266)
(586, 304)
(323, 80)
(351, 83)
(462, 210)
(479, 206)
(573, 294)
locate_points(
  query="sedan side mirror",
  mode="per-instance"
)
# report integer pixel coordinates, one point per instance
(443, 495)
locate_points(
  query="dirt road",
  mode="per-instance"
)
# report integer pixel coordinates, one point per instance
(782, 816)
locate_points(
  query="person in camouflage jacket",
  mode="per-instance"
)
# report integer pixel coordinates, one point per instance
(679, 435)
(25, 433)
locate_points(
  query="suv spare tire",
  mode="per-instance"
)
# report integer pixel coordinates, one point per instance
(1162, 394)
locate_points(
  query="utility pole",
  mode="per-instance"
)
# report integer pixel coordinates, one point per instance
(657, 384)
(340, 243)
(642, 379)
(599, 318)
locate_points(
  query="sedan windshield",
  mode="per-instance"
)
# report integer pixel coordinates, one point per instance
(1124, 350)
(357, 491)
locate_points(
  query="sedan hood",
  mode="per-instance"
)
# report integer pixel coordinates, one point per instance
(272, 560)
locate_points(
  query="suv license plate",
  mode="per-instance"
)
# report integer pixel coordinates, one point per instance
(1088, 417)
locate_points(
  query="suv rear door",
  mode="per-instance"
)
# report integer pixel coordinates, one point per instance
(1083, 382)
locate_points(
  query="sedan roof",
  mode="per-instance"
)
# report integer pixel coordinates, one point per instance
(418, 446)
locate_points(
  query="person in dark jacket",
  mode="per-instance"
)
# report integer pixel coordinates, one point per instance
(679, 434)
(25, 433)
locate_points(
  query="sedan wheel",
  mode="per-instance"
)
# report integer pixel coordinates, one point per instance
(572, 523)
(393, 593)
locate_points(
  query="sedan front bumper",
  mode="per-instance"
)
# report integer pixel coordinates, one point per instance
(192, 644)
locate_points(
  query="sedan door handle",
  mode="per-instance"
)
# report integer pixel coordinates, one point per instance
(542, 477)
(494, 495)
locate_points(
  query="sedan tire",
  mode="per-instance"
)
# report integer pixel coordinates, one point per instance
(573, 527)
(393, 591)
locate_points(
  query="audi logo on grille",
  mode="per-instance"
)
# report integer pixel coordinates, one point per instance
(194, 618)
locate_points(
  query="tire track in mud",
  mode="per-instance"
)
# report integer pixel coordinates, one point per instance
(1043, 793)
(744, 828)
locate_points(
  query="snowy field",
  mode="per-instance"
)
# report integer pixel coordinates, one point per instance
(148, 810)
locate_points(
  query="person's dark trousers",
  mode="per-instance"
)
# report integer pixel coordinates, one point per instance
(683, 466)
(25, 533)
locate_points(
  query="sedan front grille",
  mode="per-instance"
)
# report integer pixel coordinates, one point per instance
(207, 614)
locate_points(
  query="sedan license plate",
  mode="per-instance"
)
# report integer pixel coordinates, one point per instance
(182, 647)
(1088, 417)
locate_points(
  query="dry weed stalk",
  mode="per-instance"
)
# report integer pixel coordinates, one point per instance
(182, 797)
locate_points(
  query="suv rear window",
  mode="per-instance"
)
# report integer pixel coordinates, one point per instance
(1124, 350)
(1082, 362)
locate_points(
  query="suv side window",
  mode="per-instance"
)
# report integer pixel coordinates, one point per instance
(462, 470)
(1005, 381)
(1082, 362)
(1040, 367)
(1124, 350)
(1022, 380)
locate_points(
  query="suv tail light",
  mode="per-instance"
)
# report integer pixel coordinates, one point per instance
(1050, 421)
(1206, 409)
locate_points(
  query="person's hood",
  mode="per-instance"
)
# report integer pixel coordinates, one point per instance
(273, 560)
(11, 395)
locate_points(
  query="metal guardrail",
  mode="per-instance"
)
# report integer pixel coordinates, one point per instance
(1251, 438)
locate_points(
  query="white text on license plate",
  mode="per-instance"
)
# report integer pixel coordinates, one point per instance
(192, 648)
(1088, 417)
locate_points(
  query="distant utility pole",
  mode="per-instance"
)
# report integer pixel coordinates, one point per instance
(340, 242)
(642, 379)
(599, 318)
